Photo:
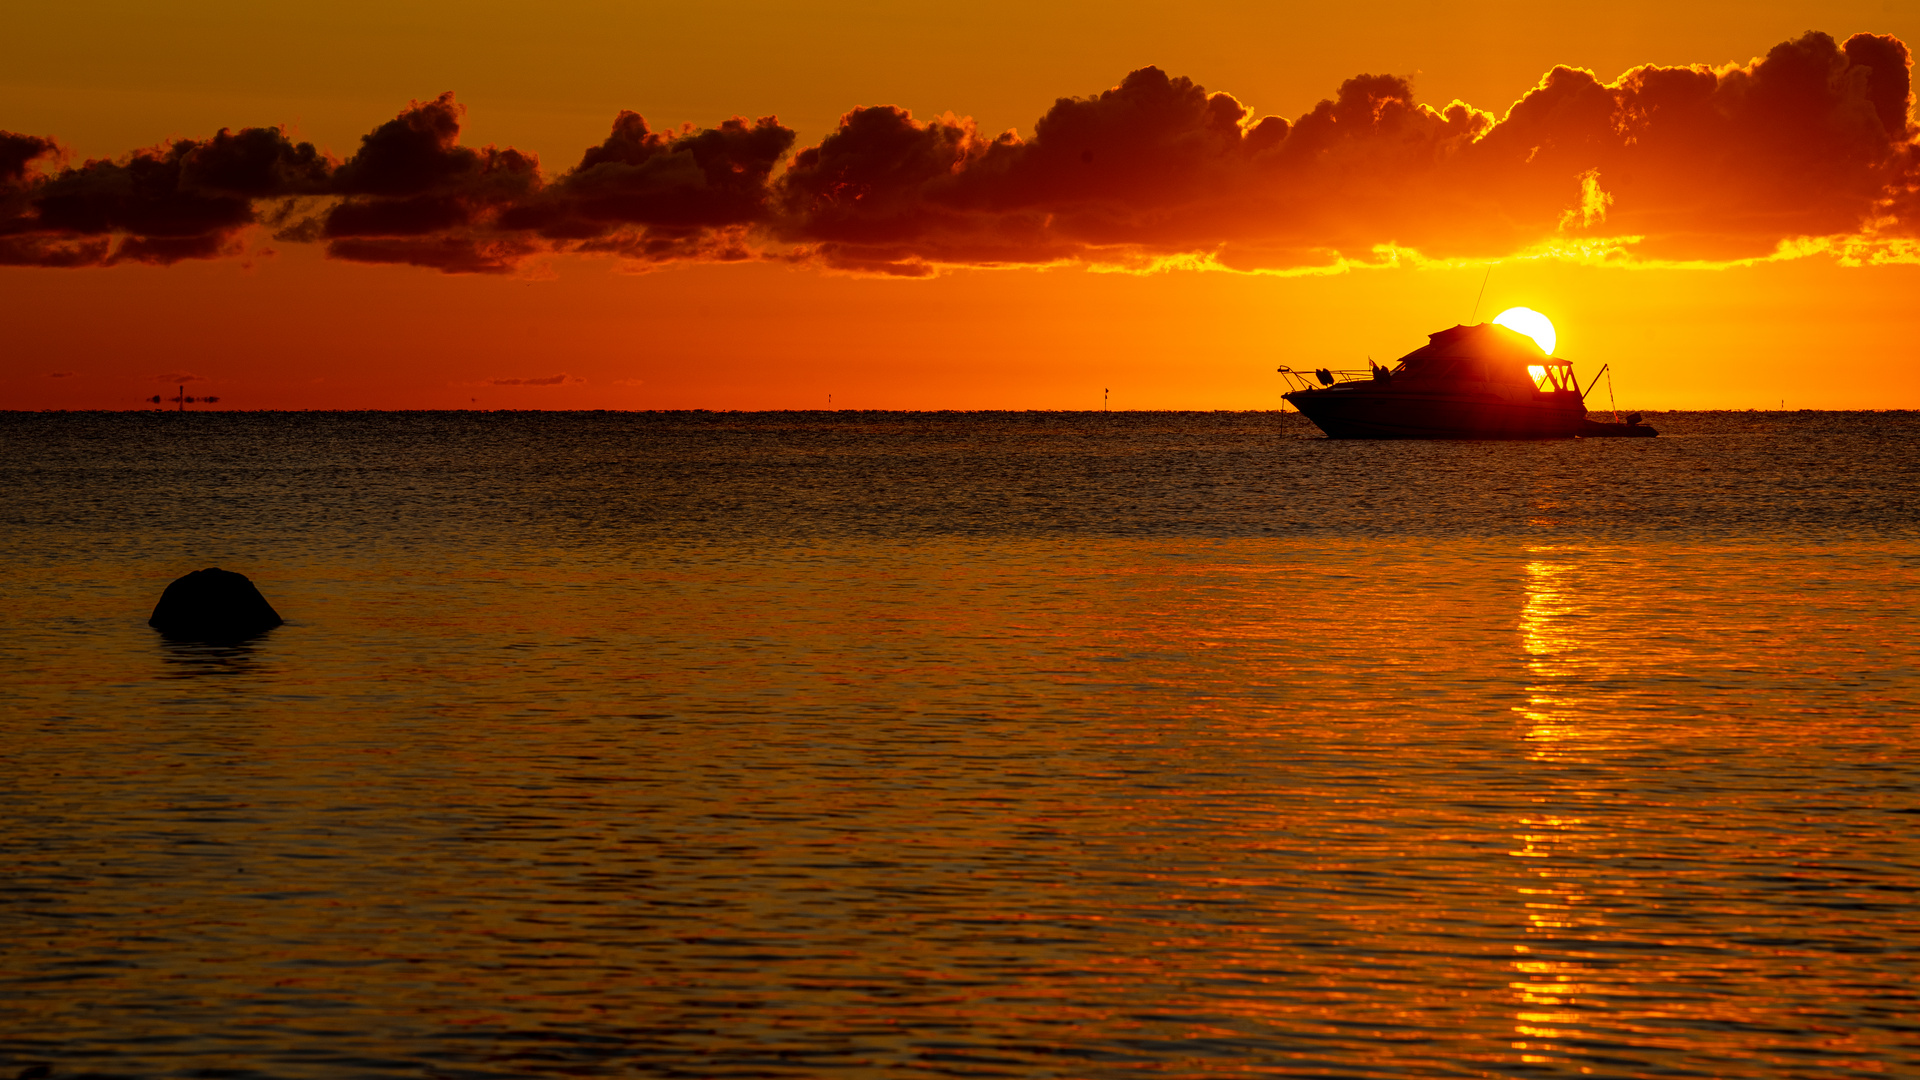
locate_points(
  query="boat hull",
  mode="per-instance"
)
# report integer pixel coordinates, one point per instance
(1360, 411)
(1595, 429)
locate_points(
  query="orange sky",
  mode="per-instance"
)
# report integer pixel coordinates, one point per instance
(281, 325)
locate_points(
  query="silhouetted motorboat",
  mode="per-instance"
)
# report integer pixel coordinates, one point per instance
(1469, 382)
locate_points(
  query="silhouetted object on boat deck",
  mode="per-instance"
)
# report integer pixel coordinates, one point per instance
(1470, 382)
(182, 399)
(213, 605)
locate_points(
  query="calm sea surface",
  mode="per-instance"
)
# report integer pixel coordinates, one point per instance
(929, 745)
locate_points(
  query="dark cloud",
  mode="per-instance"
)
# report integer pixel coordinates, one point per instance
(19, 151)
(1889, 68)
(551, 380)
(54, 252)
(414, 153)
(645, 191)
(880, 177)
(167, 250)
(660, 245)
(185, 200)
(18, 245)
(1810, 147)
(416, 216)
(414, 195)
(1150, 144)
(260, 163)
(1709, 164)
(1154, 167)
(1689, 163)
(888, 194)
(695, 178)
(142, 196)
(448, 254)
(412, 178)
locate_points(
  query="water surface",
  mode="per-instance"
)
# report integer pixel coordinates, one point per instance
(1071, 745)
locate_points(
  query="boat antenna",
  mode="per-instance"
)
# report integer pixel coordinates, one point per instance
(1482, 296)
(1610, 401)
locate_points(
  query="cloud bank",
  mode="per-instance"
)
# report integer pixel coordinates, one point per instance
(1810, 148)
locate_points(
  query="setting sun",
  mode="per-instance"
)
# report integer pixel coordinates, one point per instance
(1531, 323)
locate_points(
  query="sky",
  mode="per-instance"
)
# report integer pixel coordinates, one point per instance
(758, 205)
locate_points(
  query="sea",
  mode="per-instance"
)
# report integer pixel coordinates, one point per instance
(916, 745)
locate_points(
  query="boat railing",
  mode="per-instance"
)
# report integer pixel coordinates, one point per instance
(1323, 377)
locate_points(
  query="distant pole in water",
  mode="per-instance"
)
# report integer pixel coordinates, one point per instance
(1482, 296)
(1103, 399)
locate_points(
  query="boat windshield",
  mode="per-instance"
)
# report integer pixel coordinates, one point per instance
(1553, 375)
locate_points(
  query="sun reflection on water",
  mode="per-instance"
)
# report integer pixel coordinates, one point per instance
(1570, 615)
(1556, 981)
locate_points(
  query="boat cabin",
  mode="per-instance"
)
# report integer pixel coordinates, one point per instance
(1488, 354)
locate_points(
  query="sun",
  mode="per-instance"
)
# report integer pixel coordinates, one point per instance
(1531, 323)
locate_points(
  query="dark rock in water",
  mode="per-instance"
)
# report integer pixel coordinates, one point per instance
(213, 605)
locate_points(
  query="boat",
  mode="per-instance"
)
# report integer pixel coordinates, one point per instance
(1469, 382)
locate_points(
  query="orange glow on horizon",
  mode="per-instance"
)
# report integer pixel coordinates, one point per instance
(768, 277)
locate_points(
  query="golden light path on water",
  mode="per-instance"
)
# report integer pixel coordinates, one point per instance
(1614, 618)
(1548, 989)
